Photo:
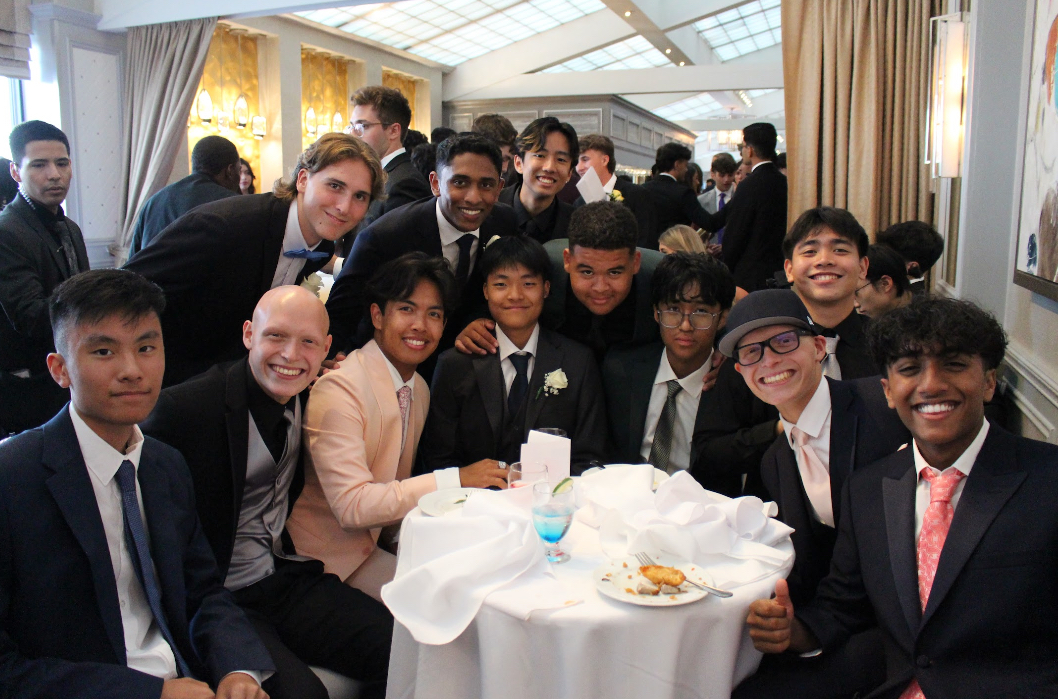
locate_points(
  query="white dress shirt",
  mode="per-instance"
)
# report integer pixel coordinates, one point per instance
(814, 422)
(964, 463)
(450, 236)
(759, 164)
(385, 161)
(507, 348)
(686, 411)
(610, 183)
(288, 268)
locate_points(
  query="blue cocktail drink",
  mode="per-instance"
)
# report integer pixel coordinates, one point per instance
(552, 515)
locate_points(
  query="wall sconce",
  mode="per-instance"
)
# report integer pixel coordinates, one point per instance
(338, 123)
(947, 95)
(223, 121)
(241, 112)
(258, 127)
(310, 121)
(205, 107)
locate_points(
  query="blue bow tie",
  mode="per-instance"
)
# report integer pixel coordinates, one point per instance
(307, 254)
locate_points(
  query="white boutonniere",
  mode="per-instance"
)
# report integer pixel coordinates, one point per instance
(554, 381)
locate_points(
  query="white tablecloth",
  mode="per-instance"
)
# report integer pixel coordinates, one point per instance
(600, 648)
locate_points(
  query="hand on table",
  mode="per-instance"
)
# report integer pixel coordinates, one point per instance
(483, 474)
(476, 338)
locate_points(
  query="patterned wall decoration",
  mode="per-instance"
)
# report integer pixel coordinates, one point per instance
(324, 94)
(408, 87)
(230, 74)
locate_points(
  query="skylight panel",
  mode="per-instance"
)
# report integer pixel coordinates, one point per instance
(750, 27)
(636, 52)
(696, 107)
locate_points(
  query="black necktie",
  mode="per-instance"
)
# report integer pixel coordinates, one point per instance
(140, 553)
(463, 266)
(520, 385)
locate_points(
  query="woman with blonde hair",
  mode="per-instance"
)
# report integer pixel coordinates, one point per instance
(681, 238)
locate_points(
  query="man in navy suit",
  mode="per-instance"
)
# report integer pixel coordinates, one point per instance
(948, 545)
(108, 587)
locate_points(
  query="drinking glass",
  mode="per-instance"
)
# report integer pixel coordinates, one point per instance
(552, 515)
(521, 475)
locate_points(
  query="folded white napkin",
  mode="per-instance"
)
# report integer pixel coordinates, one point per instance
(449, 565)
(737, 541)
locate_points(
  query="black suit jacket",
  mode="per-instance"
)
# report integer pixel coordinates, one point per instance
(559, 224)
(207, 420)
(32, 264)
(674, 203)
(60, 622)
(983, 632)
(404, 185)
(172, 202)
(636, 199)
(214, 264)
(468, 405)
(754, 225)
(408, 229)
(863, 429)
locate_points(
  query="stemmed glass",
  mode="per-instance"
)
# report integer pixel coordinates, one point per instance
(520, 475)
(552, 515)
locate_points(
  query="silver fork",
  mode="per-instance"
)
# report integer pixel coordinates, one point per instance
(646, 560)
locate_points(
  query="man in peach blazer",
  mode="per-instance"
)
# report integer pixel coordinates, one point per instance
(360, 444)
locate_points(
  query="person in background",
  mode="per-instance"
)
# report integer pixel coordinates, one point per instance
(597, 153)
(424, 158)
(545, 152)
(780, 162)
(501, 131)
(919, 244)
(741, 172)
(246, 177)
(441, 133)
(693, 178)
(214, 176)
(722, 170)
(674, 201)
(362, 428)
(681, 238)
(886, 286)
(414, 139)
(8, 186)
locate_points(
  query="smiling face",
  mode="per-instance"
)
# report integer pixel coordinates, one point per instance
(408, 330)
(596, 160)
(468, 188)
(826, 269)
(547, 170)
(515, 297)
(114, 370)
(333, 201)
(786, 381)
(940, 399)
(600, 279)
(687, 348)
(44, 173)
(287, 340)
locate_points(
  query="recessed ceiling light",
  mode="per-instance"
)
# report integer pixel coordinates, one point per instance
(668, 51)
(682, 63)
(628, 13)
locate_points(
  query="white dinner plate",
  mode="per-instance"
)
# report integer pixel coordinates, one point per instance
(618, 580)
(441, 502)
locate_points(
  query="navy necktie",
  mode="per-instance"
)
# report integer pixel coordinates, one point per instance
(463, 266)
(520, 385)
(140, 553)
(306, 254)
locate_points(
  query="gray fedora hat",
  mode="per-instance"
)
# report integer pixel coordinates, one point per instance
(761, 309)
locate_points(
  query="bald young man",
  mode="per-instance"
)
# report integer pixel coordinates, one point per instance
(239, 427)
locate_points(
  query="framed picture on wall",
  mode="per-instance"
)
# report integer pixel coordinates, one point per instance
(1036, 267)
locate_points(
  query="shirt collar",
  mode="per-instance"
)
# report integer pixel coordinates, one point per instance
(47, 217)
(691, 383)
(966, 460)
(608, 187)
(398, 382)
(391, 156)
(102, 459)
(522, 216)
(507, 348)
(815, 414)
(759, 164)
(449, 233)
(293, 239)
(665, 174)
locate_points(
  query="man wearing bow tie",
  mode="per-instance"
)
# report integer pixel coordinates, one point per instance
(215, 262)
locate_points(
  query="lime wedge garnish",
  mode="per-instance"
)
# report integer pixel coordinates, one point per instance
(564, 486)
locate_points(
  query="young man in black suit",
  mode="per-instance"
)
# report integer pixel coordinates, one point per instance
(674, 201)
(830, 429)
(239, 428)
(544, 155)
(919, 244)
(108, 587)
(597, 153)
(483, 406)
(215, 172)
(456, 224)
(500, 131)
(39, 248)
(826, 261)
(653, 391)
(214, 263)
(946, 544)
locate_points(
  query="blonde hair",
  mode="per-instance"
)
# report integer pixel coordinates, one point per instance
(329, 149)
(681, 238)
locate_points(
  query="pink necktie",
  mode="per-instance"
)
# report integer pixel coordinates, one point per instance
(815, 477)
(404, 401)
(935, 524)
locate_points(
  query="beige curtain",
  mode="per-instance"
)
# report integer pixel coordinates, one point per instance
(163, 65)
(14, 39)
(856, 75)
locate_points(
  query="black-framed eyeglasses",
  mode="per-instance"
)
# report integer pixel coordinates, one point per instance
(700, 320)
(359, 127)
(861, 288)
(783, 343)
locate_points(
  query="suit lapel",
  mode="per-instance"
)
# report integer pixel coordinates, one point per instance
(548, 359)
(237, 421)
(644, 369)
(30, 218)
(898, 499)
(843, 425)
(994, 479)
(71, 486)
(273, 242)
(489, 378)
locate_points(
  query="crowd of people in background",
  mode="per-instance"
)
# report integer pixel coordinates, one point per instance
(267, 441)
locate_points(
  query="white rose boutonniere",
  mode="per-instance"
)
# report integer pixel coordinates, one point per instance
(554, 381)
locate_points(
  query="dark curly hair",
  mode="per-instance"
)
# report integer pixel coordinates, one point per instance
(603, 225)
(396, 280)
(682, 270)
(938, 326)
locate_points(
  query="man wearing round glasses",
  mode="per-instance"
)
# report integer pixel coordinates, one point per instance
(830, 427)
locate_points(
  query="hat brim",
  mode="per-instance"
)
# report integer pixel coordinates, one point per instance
(731, 339)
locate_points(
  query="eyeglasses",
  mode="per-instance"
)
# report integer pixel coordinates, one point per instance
(700, 320)
(359, 127)
(861, 288)
(783, 343)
